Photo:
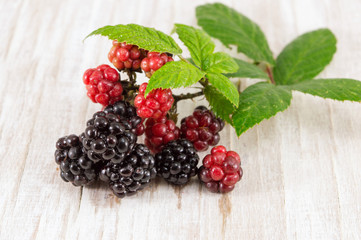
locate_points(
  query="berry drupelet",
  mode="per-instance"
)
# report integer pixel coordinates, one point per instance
(159, 132)
(106, 138)
(126, 56)
(202, 128)
(221, 170)
(75, 166)
(103, 85)
(127, 115)
(157, 104)
(154, 61)
(132, 174)
(177, 162)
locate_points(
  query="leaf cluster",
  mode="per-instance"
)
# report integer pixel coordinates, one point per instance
(293, 69)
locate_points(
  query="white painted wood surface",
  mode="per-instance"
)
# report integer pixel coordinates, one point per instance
(302, 168)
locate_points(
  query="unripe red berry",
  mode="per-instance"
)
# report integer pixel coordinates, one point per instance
(230, 165)
(159, 132)
(134, 53)
(230, 179)
(125, 56)
(153, 62)
(151, 107)
(103, 85)
(220, 170)
(202, 128)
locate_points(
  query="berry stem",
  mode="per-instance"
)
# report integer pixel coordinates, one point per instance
(128, 86)
(172, 114)
(186, 96)
(203, 81)
(132, 76)
(270, 75)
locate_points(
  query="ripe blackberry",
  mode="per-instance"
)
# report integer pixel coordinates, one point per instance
(103, 85)
(159, 132)
(126, 56)
(132, 174)
(157, 103)
(75, 166)
(202, 128)
(221, 170)
(106, 138)
(154, 61)
(177, 162)
(127, 115)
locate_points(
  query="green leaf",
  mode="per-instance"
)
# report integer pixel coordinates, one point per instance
(247, 70)
(144, 37)
(338, 89)
(174, 75)
(197, 41)
(224, 86)
(258, 102)
(233, 28)
(305, 57)
(220, 62)
(219, 104)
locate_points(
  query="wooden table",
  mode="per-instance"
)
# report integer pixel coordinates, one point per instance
(302, 177)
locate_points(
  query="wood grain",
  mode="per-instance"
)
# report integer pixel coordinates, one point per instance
(302, 168)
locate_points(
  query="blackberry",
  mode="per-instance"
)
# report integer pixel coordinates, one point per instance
(106, 138)
(127, 115)
(75, 166)
(132, 174)
(177, 162)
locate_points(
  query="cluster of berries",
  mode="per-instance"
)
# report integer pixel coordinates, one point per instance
(129, 57)
(202, 128)
(108, 150)
(221, 170)
(103, 85)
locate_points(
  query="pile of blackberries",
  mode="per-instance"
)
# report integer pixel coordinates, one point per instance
(108, 150)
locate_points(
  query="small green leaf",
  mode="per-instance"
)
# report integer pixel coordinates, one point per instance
(219, 62)
(305, 57)
(338, 89)
(233, 28)
(144, 37)
(224, 86)
(258, 102)
(198, 42)
(219, 104)
(247, 70)
(174, 75)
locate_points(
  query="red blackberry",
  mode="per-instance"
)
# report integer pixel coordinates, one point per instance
(177, 162)
(131, 174)
(75, 166)
(106, 138)
(127, 115)
(126, 56)
(103, 85)
(221, 170)
(159, 132)
(154, 61)
(202, 128)
(157, 103)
